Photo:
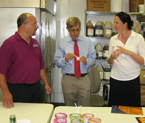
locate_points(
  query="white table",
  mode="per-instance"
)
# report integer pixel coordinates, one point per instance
(35, 112)
(104, 113)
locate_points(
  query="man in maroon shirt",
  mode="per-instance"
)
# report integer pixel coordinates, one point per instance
(21, 65)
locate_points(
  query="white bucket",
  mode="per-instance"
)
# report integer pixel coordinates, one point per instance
(116, 5)
(144, 5)
(141, 8)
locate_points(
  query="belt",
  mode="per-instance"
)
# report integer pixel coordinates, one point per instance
(82, 75)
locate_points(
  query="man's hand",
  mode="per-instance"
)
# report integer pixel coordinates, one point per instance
(47, 89)
(83, 59)
(69, 56)
(7, 100)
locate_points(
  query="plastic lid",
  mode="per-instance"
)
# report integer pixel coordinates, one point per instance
(75, 116)
(60, 115)
(87, 116)
(89, 24)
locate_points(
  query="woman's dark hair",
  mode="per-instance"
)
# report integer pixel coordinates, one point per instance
(124, 17)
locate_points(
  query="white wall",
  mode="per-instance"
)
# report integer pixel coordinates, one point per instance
(8, 21)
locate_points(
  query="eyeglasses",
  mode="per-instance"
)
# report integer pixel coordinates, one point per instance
(73, 30)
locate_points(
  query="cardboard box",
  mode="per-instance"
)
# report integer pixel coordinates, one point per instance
(142, 75)
(98, 5)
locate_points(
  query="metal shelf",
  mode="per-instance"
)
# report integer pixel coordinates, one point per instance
(101, 60)
(98, 37)
(110, 13)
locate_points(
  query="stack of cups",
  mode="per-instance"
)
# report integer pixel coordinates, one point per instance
(60, 118)
(76, 118)
(86, 117)
(144, 5)
(94, 120)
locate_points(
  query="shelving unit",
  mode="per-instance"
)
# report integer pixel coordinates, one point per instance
(110, 13)
(94, 16)
(98, 38)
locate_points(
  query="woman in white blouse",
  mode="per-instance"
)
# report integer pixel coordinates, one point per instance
(126, 53)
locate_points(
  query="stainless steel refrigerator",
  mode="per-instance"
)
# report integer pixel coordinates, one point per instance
(44, 11)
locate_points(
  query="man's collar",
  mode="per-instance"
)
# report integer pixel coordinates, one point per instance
(71, 39)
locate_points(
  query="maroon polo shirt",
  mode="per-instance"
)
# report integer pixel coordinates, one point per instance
(19, 61)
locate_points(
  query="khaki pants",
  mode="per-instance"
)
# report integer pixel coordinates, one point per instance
(76, 90)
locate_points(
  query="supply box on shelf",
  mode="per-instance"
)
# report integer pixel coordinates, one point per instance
(98, 5)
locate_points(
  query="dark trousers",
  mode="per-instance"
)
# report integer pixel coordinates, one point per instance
(30, 93)
(125, 93)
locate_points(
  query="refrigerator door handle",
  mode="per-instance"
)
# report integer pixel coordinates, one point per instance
(48, 69)
(40, 27)
(52, 65)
